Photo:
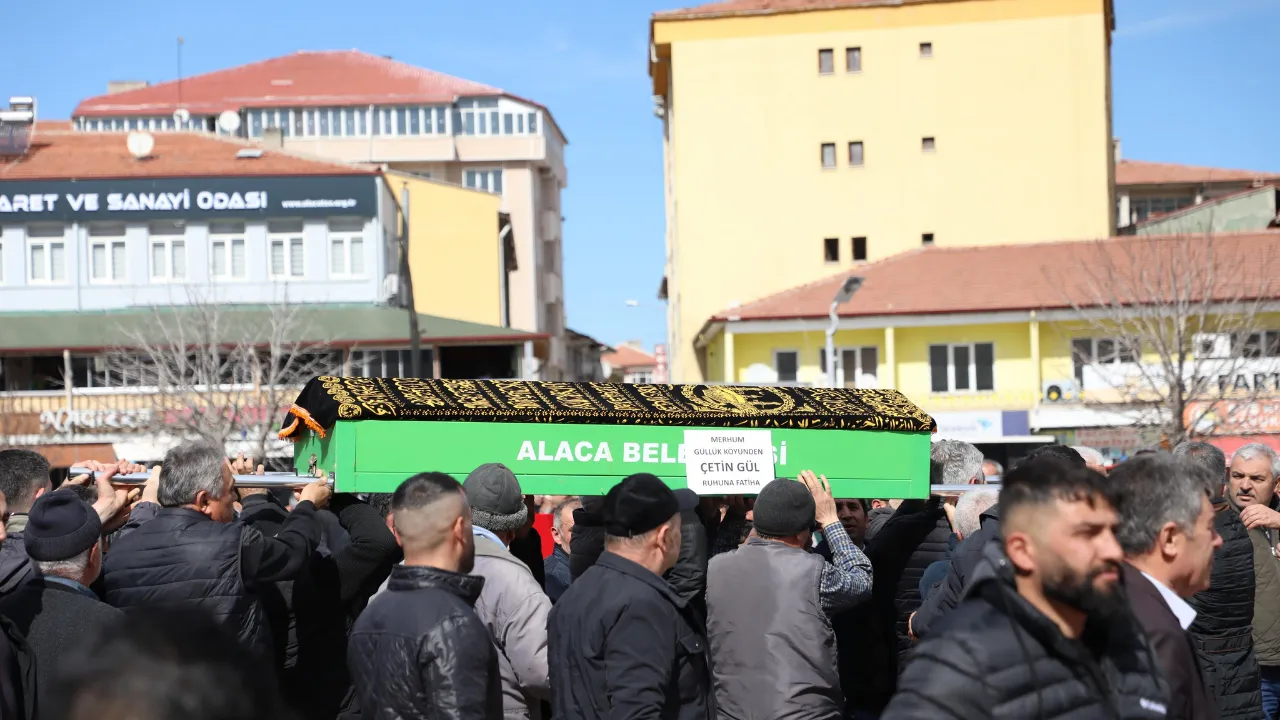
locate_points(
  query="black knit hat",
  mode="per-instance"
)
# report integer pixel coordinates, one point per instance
(60, 526)
(641, 503)
(784, 508)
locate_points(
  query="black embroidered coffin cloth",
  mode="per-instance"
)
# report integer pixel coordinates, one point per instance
(326, 400)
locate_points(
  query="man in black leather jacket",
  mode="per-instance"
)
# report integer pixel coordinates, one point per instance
(419, 652)
(1043, 630)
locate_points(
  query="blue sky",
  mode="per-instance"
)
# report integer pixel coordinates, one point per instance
(1193, 83)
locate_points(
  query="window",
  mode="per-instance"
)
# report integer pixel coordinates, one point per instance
(787, 364)
(1143, 208)
(1253, 346)
(478, 116)
(926, 49)
(46, 254)
(855, 153)
(106, 253)
(859, 367)
(1102, 351)
(226, 241)
(828, 155)
(853, 59)
(926, 239)
(533, 123)
(168, 251)
(489, 180)
(831, 250)
(388, 363)
(962, 368)
(286, 251)
(346, 248)
(826, 61)
(859, 249)
(640, 377)
(928, 144)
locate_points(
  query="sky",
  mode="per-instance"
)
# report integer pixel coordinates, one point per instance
(1193, 83)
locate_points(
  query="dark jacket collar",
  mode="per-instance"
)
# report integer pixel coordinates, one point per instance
(992, 512)
(559, 553)
(418, 577)
(260, 500)
(617, 563)
(183, 513)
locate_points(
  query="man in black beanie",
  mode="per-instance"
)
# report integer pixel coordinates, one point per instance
(770, 604)
(55, 609)
(621, 641)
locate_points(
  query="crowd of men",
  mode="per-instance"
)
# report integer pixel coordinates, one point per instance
(1147, 590)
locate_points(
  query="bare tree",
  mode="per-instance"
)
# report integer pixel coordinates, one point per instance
(1174, 328)
(221, 373)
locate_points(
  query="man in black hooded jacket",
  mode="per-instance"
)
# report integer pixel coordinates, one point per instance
(1043, 630)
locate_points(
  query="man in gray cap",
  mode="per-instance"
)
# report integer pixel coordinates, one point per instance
(512, 605)
(770, 604)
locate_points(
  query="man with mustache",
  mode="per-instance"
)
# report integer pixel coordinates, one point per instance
(1042, 630)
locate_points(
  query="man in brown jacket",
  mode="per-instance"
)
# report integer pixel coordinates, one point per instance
(1168, 537)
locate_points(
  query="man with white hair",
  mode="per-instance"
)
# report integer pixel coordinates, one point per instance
(1251, 490)
(969, 510)
(1092, 458)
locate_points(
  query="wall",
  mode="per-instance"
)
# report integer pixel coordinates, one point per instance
(1015, 95)
(1243, 213)
(454, 253)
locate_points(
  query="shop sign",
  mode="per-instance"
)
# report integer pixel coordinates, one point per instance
(970, 425)
(64, 421)
(1234, 417)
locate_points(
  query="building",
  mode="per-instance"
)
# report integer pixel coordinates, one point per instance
(1000, 343)
(1148, 189)
(1251, 209)
(584, 356)
(355, 107)
(629, 363)
(128, 261)
(801, 137)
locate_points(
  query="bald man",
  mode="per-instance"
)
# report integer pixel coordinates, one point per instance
(419, 650)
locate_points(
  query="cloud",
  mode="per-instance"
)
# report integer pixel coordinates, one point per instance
(1188, 18)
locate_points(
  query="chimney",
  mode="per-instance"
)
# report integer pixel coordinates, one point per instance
(1115, 148)
(273, 138)
(119, 86)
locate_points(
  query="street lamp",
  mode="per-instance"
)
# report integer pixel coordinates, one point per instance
(843, 295)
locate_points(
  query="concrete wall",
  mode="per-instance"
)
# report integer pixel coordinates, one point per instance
(1015, 95)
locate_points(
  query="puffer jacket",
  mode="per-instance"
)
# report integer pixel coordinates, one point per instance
(915, 537)
(996, 657)
(15, 564)
(418, 652)
(1223, 628)
(514, 610)
(963, 560)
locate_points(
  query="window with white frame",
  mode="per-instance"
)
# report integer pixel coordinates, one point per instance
(46, 254)
(477, 116)
(346, 248)
(107, 262)
(489, 180)
(640, 377)
(227, 251)
(965, 367)
(168, 251)
(1102, 351)
(859, 366)
(285, 250)
(786, 363)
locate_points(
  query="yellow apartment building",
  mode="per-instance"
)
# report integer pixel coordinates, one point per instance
(1000, 343)
(803, 137)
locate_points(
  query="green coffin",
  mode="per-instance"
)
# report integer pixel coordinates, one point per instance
(582, 438)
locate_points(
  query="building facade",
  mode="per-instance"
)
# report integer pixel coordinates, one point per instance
(1004, 343)
(629, 363)
(804, 137)
(354, 107)
(1148, 190)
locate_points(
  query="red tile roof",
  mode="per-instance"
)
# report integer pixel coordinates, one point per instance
(626, 357)
(1032, 277)
(769, 7)
(52, 125)
(324, 78)
(85, 155)
(1139, 172)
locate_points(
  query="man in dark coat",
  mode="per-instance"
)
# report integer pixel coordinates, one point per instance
(1043, 630)
(311, 615)
(557, 563)
(55, 609)
(622, 642)
(1166, 532)
(24, 477)
(419, 651)
(191, 554)
(1223, 628)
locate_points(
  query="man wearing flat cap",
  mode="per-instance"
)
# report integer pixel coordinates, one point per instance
(623, 643)
(770, 604)
(56, 610)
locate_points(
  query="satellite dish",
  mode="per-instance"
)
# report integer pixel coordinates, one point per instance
(140, 144)
(229, 122)
(181, 116)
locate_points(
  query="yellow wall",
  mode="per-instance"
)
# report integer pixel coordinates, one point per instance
(1016, 96)
(454, 253)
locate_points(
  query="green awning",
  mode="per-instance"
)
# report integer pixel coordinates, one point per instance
(337, 324)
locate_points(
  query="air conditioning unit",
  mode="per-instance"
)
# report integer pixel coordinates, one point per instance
(1056, 391)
